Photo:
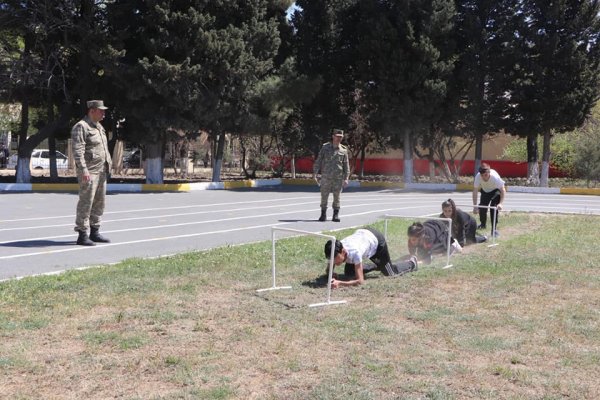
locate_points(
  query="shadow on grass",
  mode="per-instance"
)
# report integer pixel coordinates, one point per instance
(321, 281)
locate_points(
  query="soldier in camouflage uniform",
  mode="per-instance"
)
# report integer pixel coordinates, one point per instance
(93, 163)
(334, 167)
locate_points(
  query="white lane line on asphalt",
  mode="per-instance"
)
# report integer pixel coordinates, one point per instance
(168, 226)
(104, 221)
(105, 245)
(353, 196)
(158, 209)
(21, 228)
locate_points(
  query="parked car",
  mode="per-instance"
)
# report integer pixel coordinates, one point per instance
(133, 159)
(40, 159)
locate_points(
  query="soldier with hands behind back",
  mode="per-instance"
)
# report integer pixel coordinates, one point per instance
(334, 167)
(93, 163)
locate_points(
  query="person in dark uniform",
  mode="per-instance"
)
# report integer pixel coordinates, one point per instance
(428, 238)
(464, 226)
(365, 243)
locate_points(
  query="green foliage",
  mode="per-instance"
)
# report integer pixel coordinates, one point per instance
(576, 153)
(562, 148)
(190, 64)
(586, 160)
(399, 57)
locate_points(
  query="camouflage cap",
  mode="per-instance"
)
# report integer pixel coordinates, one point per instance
(337, 132)
(96, 104)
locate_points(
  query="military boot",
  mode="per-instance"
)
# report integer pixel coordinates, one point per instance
(335, 217)
(323, 216)
(84, 240)
(97, 237)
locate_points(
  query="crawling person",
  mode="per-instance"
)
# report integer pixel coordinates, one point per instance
(429, 238)
(365, 243)
(464, 226)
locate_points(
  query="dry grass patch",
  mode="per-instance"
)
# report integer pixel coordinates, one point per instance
(515, 321)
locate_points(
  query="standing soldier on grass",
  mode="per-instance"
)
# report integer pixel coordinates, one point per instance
(93, 163)
(334, 167)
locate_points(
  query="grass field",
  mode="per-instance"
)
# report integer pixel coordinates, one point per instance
(515, 321)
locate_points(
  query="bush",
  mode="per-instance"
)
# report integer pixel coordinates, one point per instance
(586, 160)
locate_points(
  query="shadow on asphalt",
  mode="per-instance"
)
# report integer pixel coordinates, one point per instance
(37, 243)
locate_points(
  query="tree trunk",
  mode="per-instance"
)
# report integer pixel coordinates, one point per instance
(408, 160)
(52, 159)
(52, 148)
(533, 178)
(293, 166)
(431, 164)
(216, 177)
(27, 145)
(546, 159)
(154, 163)
(117, 157)
(363, 156)
(478, 151)
(23, 172)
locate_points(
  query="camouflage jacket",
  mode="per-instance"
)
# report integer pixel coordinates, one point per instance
(332, 162)
(90, 146)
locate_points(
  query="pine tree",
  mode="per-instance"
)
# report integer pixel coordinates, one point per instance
(189, 65)
(404, 58)
(556, 79)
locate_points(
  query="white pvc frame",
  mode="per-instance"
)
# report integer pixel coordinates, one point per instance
(448, 220)
(331, 257)
(494, 225)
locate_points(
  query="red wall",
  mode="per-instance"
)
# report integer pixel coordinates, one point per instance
(386, 166)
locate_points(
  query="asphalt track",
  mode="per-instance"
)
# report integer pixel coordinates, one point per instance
(37, 237)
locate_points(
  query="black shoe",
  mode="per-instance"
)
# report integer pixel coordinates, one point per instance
(323, 216)
(95, 236)
(84, 240)
(481, 226)
(336, 217)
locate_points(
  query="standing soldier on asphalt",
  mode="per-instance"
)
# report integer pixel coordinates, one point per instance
(93, 163)
(334, 167)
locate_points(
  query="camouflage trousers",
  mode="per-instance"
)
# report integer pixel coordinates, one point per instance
(90, 206)
(330, 186)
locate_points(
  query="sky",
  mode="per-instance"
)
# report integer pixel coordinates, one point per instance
(291, 10)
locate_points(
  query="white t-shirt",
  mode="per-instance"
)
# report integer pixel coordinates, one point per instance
(495, 182)
(360, 245)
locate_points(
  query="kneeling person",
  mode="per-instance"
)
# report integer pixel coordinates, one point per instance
(365, 243)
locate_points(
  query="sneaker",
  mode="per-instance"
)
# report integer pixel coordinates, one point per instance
(481, 226)
(455, 247)
(414, 260)
(496, 234)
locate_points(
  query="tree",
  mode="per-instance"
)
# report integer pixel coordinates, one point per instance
(586, 158)
(321, 57)
(190, 65)
(42, 42)
(474, 105)
(556, 79)
(403, 57)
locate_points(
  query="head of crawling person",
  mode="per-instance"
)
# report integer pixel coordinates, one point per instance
(339, 253)
(416, 234)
